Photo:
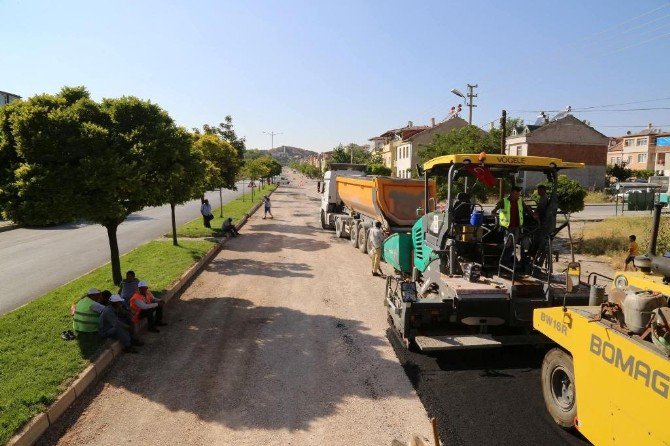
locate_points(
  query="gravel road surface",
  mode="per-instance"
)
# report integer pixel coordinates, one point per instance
(280, 341)
(50, 257)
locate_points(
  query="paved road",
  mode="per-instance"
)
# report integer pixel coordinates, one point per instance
(283, 340)
(34, 261)
(274, 344)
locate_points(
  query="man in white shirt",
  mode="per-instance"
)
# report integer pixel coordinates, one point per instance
(206, 211)
(376, 239)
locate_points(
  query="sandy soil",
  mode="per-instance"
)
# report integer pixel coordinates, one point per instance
(281, 341)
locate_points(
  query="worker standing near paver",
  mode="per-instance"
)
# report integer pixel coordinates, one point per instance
(376, 239)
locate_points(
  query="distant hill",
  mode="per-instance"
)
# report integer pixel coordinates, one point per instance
(290, 152)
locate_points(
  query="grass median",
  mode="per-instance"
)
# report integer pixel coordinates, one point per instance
(235, 209)
(610, 237)
(36, 364)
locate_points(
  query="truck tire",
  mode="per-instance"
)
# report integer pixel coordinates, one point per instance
(363, 239)
(353, 233)
(558, 387)
(324, 223)
(339, 228)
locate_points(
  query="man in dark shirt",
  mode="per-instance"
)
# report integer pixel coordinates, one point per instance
(111, 326)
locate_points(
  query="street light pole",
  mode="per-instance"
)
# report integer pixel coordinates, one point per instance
(468, 98)
(272, 138)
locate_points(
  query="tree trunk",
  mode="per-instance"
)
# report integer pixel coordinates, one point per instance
(221, 201)
(174, 226)
(114, 252)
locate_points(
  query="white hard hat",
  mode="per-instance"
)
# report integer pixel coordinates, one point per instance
(93, 291)
(115, 298)
(142, 284)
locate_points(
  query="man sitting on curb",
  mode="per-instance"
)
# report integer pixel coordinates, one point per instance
(128, 286)
(143, 304)
(86, 312)
(110, 326)
(229, 228)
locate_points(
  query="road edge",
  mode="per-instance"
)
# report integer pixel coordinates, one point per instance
(35, 428)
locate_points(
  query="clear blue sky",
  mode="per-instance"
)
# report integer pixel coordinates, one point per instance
(323, 73)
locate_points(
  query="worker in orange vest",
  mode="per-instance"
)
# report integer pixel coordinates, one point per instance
(143, 304)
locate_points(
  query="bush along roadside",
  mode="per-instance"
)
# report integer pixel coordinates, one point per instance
(236, 209)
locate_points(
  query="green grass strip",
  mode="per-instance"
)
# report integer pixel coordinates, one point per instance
(235, 209)
(36, 365)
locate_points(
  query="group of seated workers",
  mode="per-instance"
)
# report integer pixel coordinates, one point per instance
(118, 316)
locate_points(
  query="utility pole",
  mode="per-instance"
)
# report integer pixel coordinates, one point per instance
(503, 128)
(471, 95)
(272, 138)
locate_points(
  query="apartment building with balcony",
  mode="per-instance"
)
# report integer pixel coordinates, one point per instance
(645, 150)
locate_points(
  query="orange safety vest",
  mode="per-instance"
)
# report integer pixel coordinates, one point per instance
(134, 309)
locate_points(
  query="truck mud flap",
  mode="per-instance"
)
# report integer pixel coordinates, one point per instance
(463, 342)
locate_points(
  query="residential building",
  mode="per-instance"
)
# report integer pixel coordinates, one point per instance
(6, 98)
(645, 150)
(567, 138)
(407, 153)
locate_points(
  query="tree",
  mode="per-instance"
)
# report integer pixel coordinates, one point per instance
(468, 139)
(78, 159)
(379, 169)
(255, 170)
(619, 171)
(221, 162)
(643, 174)
(226, 132)
(569, 194)
(253, 154)
(181, 172)
(342, 154)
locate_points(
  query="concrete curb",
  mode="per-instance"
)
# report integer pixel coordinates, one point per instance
(34, 429)
(11, 227)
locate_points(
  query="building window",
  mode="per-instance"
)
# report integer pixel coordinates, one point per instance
(627, 142)
(661, 159)
(618, 160)
(641, 142)
(641, 157)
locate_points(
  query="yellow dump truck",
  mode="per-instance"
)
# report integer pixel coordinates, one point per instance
(352, 201)
(609, 377)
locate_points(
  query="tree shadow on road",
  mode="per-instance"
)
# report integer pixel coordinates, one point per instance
(235, 267)
(283, 228)
(273, 242)
(248, 367)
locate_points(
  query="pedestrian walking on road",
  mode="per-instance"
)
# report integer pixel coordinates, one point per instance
(143, 304)
(206, 211)
(112, 326)
(267, 207)
(376, 237)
